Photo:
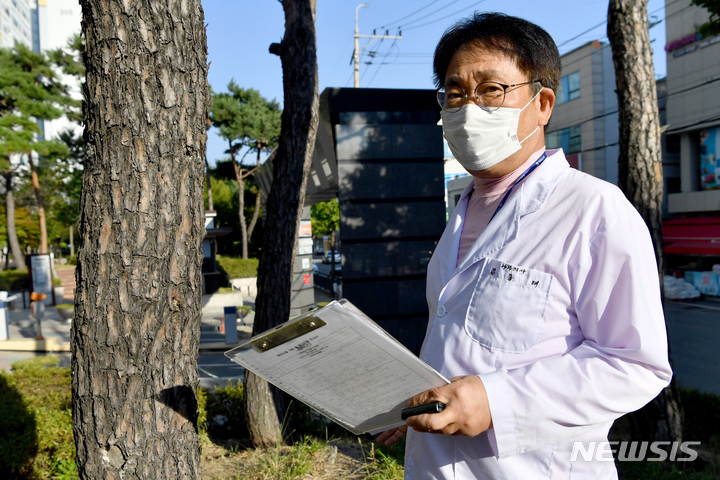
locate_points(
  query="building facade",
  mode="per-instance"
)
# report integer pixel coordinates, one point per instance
(54, 23)
(584, 122)
(693, 110)
(15, 23)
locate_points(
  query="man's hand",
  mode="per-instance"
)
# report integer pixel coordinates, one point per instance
(467, 411)
(392, 436)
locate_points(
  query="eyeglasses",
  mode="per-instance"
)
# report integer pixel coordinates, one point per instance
(488, 95)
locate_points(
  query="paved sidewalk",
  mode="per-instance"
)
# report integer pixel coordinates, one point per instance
(22, 331)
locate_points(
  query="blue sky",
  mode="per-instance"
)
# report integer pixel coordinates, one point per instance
(240, 32)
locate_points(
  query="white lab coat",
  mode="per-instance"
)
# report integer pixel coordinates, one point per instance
(557, 308)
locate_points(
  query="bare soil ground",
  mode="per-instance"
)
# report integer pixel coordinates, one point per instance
(338, 460)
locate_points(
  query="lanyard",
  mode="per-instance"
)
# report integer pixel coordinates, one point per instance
(532, 167)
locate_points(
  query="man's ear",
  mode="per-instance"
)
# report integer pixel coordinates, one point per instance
(547, 102)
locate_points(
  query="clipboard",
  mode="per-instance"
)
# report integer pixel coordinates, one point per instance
(341, 363)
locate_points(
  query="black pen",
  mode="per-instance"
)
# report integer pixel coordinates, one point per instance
(433, 407)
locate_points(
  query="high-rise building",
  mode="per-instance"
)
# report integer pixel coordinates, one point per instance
(55, 22)
(15, 23)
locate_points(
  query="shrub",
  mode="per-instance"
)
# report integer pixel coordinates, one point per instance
(226, 412)
(13, 280)
(237, 267)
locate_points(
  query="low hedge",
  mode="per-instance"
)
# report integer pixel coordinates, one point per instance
(17, 280)
(14, 280)
(237, 267)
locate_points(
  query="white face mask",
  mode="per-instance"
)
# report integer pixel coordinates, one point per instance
(480, 139)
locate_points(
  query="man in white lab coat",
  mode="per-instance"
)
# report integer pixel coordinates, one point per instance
(543, 291)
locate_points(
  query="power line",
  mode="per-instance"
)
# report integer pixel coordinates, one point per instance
(605, 21)
(395, 22)
(441, 18)
(382, 62)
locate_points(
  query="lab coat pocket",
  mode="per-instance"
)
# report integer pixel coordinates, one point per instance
(507, 307)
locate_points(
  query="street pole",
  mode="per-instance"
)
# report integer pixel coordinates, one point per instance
(356, 54)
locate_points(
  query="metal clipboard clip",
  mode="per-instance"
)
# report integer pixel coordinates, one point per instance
(285, 333)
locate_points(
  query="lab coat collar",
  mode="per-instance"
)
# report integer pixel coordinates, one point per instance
(526, 198)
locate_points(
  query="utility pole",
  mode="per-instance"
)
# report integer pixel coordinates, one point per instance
(356, 53)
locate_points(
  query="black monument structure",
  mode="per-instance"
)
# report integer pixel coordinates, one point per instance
(380, 153)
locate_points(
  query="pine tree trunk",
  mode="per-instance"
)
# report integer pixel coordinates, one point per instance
(137, 318)
(640, 170)
(285, 201)
(241, 209)
(41, 206)
(256, 212)
(18, 258)
(209, 186)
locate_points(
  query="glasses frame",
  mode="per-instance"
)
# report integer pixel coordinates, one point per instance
(477, 97)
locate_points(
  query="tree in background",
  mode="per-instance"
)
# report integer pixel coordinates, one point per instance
(64, 177)
(249, 122)
(136, 330)
(29, 90)
(711, 27)
(63, 183)
(640, 170)
(291, 167)
(325, 217)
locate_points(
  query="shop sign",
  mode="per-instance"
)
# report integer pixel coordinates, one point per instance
(709, 164)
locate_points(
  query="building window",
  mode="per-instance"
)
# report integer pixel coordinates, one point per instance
(569, 139)
(569, 88)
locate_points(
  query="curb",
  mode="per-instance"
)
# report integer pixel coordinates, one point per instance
(50, 344)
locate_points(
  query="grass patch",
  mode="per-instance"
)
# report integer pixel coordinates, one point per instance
(36, 437)
(237, 267)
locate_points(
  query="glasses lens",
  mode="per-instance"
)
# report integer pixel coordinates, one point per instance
(451, 98)
(490, 95)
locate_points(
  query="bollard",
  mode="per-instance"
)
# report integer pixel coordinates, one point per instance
(37, 308)
(4, 300)
(230, 323)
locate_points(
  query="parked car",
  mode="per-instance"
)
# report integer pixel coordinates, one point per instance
(327, 257)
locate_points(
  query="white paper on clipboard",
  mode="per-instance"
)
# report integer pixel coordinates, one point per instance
(342, 364)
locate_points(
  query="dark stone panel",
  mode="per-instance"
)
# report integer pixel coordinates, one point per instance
(387, 259)
(391, 220)
(390, 180)
(388, 141)
(388, 298)
(409, 331)
(378, 100)
(389, 118)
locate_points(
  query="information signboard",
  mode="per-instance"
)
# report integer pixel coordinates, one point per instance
(41, 276)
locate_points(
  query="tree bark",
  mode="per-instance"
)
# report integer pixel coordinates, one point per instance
(18, 258)
(41, 206)
(640, 171)
(137, 318)
(285, 201)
